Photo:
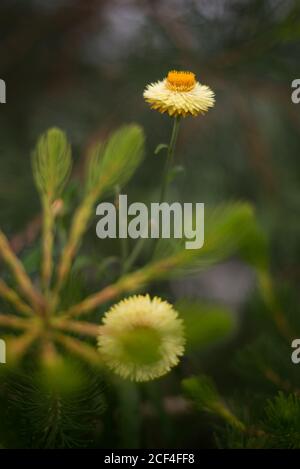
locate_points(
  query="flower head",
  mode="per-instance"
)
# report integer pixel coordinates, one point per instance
(179, 94)
(142, 338)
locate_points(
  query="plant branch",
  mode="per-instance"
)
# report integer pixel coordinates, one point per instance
(20, 275)
(48, 238)
(79, 327)
(269, 296)
(17, 347)
(12, 297)
(79, 225)
(82, 350)
(129, 283)
(170, 158)
(14, 322)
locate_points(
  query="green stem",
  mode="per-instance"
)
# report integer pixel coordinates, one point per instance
(48, 225)
(128, 262)
(22, 278)
(168, 167)
(78, 327)
(80, 349)
(267, 290)
(123, 241)
(170, 158)
(15, 322)
(134, 255)
(12, 297)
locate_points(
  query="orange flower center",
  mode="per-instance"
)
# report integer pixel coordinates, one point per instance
(181, 81)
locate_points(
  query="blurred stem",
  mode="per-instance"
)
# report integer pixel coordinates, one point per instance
(79, 327)
(134, 255)
(82, 350)
(12, 297)
(168, 167)
(23, 280)
(14, 322)
(17, 347)
(78, 227)
(220, 409)
(49, 354)
(128, 283)
(48, 226)
(156, 398)
(276, 379)
(269, 296)
(123, 241)
(106, 263)
(92, 301)
(138, 248)
(170, 159)
(129, 415)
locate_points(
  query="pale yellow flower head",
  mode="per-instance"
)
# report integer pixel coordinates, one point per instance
(180, 94)
(142, 338)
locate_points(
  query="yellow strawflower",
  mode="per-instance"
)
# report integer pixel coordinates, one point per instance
(142, 338)
(180, 94)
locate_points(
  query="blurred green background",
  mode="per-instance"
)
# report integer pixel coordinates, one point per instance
(83, 65)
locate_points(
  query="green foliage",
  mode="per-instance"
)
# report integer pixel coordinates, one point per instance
(115, 162)
(94, 166)
(39, 414)
(267, 396)
(228, 227)
(254, 247)
(266, 363)
(205, 324)
(275, 425)
(203, 392)
(51, 163)
(62, 376)
(282, 421)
